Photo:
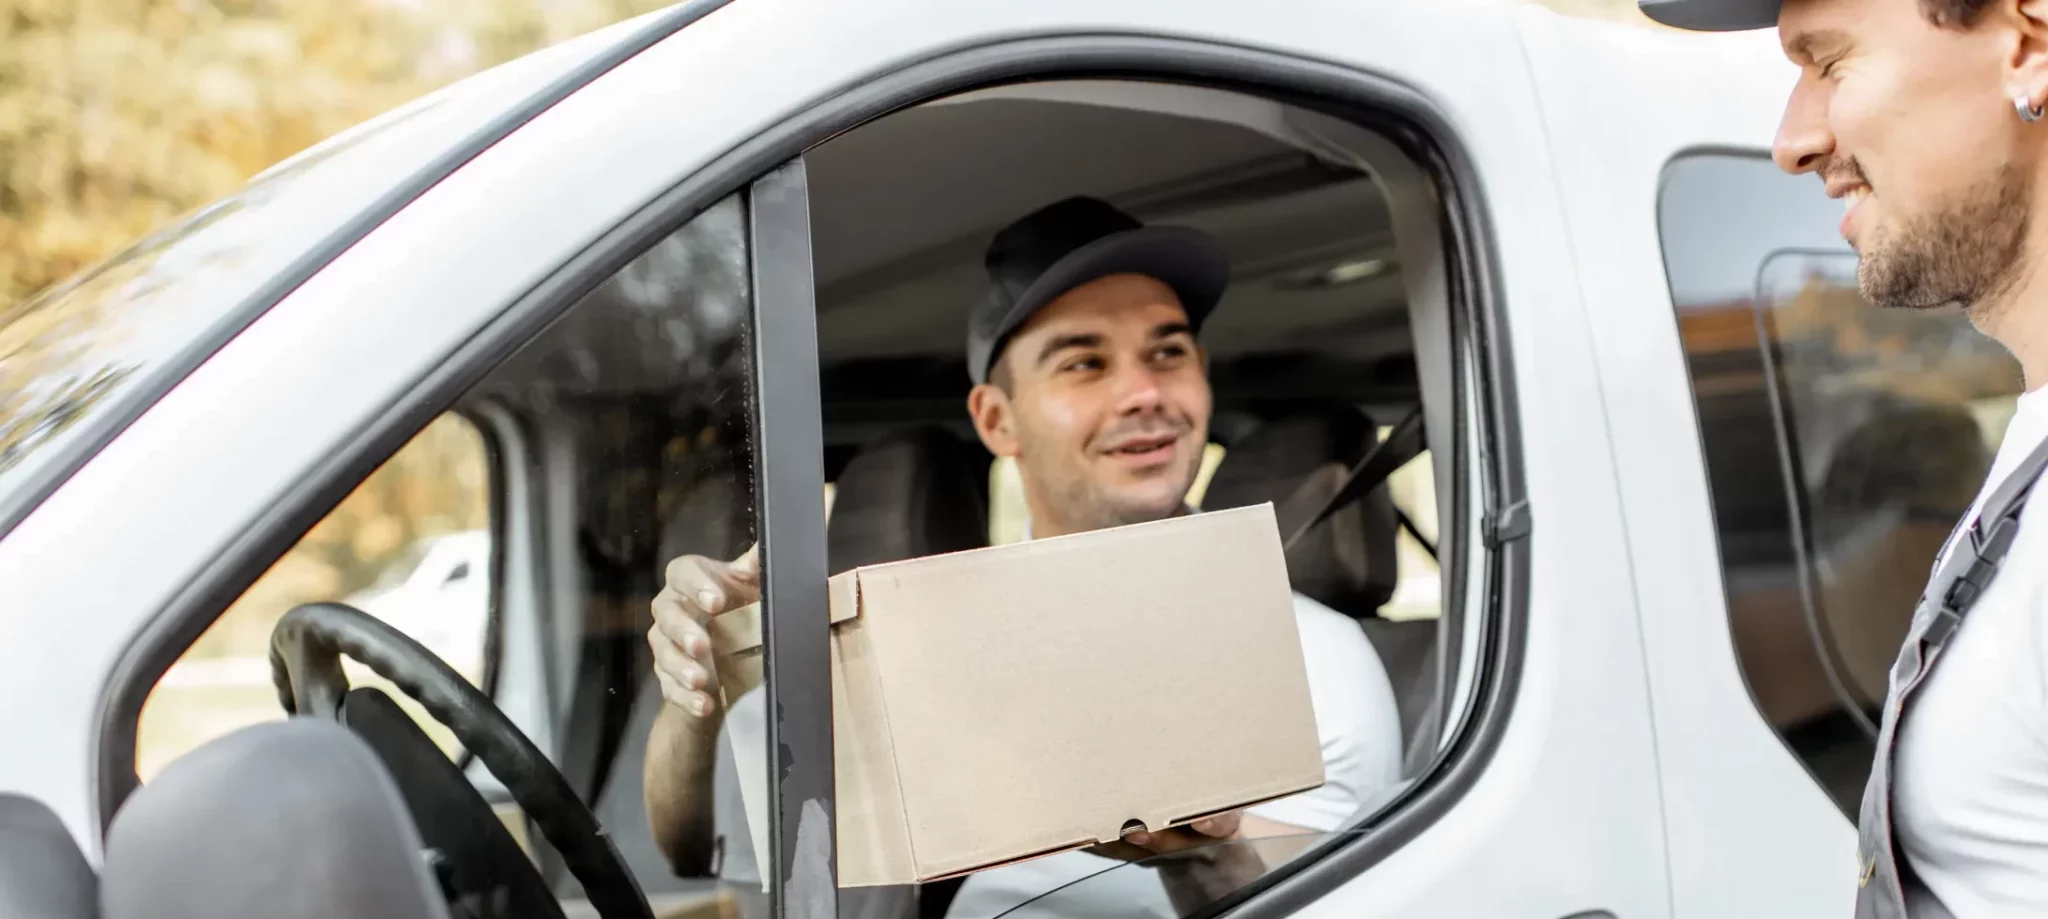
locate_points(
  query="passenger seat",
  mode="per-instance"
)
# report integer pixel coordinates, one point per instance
(907, 494)
(1347, 562)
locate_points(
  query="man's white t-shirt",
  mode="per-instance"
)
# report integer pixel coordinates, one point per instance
(1970, 786)
(1357, 723)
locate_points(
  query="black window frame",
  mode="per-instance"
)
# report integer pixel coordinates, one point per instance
(793, 509)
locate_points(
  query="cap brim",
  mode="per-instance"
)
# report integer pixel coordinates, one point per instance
(1188, 260)
(1712, 15)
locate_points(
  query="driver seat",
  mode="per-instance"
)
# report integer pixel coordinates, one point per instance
(43, 875)
(291, 819)
(1347, 562)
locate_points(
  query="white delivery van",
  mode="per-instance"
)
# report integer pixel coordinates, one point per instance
(1650, 544)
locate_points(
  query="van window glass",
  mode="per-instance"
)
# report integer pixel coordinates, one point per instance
(1842, 441)
(387, 549)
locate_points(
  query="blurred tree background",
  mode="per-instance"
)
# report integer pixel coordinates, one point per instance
(116, 116)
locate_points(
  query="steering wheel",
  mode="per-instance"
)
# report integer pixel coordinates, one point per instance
(305, 662)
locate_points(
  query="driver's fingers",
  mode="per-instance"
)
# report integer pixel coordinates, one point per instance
(699, 591)
(696, 703)
(713, 587)
(683, 681)
(747, 568)
(669, 659)
(1169, 840)
(1220, 825)
(676, 620)
(693, 648)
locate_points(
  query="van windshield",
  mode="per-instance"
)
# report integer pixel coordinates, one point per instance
(127, 328)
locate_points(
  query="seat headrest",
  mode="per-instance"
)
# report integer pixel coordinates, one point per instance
(715, 518)
(1346, 562)
(292, 819)
(42, 872)
(908, 493)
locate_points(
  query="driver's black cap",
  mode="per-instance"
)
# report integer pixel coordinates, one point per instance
(1067, 244)
(1712, 15)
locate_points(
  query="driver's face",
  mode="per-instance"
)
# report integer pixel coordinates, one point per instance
(1106, 409)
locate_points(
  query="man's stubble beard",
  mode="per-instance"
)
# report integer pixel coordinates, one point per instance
(1085, 506)
(1967, 253)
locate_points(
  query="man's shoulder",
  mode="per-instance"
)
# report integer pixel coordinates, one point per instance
(1312, 614)
(1331, 636)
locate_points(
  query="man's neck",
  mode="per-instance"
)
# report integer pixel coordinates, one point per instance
(1037, 527)
(2018, 318)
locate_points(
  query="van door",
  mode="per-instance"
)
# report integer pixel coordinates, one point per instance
(1681, 228)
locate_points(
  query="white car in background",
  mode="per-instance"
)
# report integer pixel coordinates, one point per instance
(439, 594)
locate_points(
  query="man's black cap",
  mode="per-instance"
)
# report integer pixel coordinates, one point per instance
(1712, 15)
(1067, 244)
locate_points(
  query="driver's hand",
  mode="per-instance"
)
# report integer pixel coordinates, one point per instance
(697, 589)
(1206, 831)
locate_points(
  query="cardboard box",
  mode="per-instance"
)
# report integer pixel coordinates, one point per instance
(1000, 704)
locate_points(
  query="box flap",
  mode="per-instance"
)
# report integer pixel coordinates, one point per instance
(739, 631)
(874, 843)
(873, 838)
(1041, 696)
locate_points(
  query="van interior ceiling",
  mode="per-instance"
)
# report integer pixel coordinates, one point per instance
(903, 207)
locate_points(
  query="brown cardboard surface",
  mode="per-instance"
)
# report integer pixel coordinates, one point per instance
(1004, 703)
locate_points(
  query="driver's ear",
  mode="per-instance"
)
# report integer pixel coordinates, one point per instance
(991, 411)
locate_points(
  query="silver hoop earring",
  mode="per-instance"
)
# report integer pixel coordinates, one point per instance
(2029, 112)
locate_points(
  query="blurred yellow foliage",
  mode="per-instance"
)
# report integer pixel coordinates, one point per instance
(118, 115)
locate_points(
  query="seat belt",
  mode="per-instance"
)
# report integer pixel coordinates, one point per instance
(1404, 443)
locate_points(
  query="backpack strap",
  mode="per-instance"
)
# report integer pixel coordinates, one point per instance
(1987, 541)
